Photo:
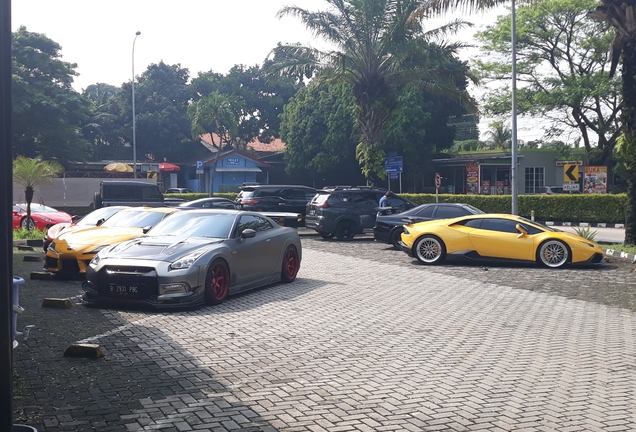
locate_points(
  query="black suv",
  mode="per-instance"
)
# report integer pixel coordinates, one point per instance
(344, 212)
(274, 198)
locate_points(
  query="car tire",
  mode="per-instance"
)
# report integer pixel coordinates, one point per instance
(553, 254)
(27, 223)
(326, 236)
(217, 282)
(345, 231)
(396, 237)
(291, 264)
(429, 249)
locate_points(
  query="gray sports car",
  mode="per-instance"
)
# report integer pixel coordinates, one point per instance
(195, 257)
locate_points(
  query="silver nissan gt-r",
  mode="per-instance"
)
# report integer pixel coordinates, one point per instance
(194, 257)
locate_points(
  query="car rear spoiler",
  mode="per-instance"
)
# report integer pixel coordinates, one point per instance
(292, 220)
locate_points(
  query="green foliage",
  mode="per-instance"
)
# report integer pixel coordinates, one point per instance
(621, 248)
(31, 172)
(562, 56)
(586, 232)
(25, 234)
(262, 99)
(377, 49)
(47, 112)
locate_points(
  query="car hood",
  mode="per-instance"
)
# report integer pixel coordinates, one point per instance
(91, 237)
(160, 248)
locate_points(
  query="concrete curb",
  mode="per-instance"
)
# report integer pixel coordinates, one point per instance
(582, 224)
(619, 254)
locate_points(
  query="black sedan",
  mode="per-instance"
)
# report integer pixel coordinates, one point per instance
(212, 202)
(388, 227)
(196, 257)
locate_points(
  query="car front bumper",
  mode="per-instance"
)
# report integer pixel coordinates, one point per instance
(148, 283)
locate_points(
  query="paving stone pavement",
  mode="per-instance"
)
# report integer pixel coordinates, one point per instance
(364, 340)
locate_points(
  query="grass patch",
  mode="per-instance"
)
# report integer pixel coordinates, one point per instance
(25, 234)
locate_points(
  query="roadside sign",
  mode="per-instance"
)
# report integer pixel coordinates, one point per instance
(570, 173)
(393, 164)
(199, 167)
(438, 181)
(570, 186)
(394, 175)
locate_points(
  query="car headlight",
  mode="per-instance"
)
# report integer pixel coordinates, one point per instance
(406, 230)
(186, 261)
(45, 219)
(96, 259)
(589, 244)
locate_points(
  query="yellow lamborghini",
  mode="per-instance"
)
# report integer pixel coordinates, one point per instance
(70, 252)
(496, 237)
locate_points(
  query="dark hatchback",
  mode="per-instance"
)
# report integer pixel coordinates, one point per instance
(388, 227)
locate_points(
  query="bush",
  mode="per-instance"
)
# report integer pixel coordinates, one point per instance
(25, 234)
(608, 208)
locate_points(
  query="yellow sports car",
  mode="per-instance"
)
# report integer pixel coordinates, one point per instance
(70, 252)
(496, 237)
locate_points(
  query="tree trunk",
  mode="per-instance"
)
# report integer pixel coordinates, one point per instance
(28, 195)
(629, 128)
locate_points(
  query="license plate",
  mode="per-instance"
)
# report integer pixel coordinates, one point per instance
(125, 290)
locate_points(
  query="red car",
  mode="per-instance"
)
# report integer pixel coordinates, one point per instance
(42, 217)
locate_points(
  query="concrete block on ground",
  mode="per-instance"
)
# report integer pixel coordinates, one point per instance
(84, 351)
(57, 303)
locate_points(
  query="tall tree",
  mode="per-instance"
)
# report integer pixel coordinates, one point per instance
(47, 112)
(622, 17)
(162, 97)
(376, 50)
(562, 70)
(31, 172)
(100, 129)
(215, 114)
(499, 135)
(263, 99)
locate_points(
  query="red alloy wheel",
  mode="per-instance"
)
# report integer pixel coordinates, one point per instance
(218, 282)
(290, 265)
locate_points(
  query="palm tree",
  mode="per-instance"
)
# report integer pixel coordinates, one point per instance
(620, 14)
(215, 114)
(30, 172)
(499, 135)
(376, 50)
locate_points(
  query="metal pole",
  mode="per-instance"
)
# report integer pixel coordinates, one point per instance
(6, 231)
(133, 108)
(513, 168)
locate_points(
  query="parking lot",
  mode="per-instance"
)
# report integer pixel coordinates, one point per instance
(364, 340)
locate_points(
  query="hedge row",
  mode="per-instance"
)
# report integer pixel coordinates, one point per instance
(608, 208)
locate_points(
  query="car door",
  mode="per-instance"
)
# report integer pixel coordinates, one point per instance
(255, 258)
(499, 238)
(365, 205)
(294, 201)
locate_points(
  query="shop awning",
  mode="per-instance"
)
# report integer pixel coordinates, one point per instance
(167, 167)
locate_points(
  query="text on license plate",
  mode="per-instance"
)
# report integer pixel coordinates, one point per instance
(125, 289)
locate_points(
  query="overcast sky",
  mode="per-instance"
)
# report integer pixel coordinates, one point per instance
(201, 35)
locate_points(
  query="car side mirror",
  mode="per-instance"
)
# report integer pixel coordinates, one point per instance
(101, 221)
(522, 231)
(248, 233)
(146, 229)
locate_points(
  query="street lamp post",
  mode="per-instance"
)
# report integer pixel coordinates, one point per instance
(513, 169)
(134, 121)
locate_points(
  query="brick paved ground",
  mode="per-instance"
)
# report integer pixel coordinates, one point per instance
(364, 340)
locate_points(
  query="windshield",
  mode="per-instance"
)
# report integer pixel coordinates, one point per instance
(92, 218)
(39, 208)
(187, 224)
(536, 224)
(134, 218)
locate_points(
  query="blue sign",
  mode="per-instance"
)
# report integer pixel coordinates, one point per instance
(393, 164)
(232, 161)
(394, 175)
(199, 165)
